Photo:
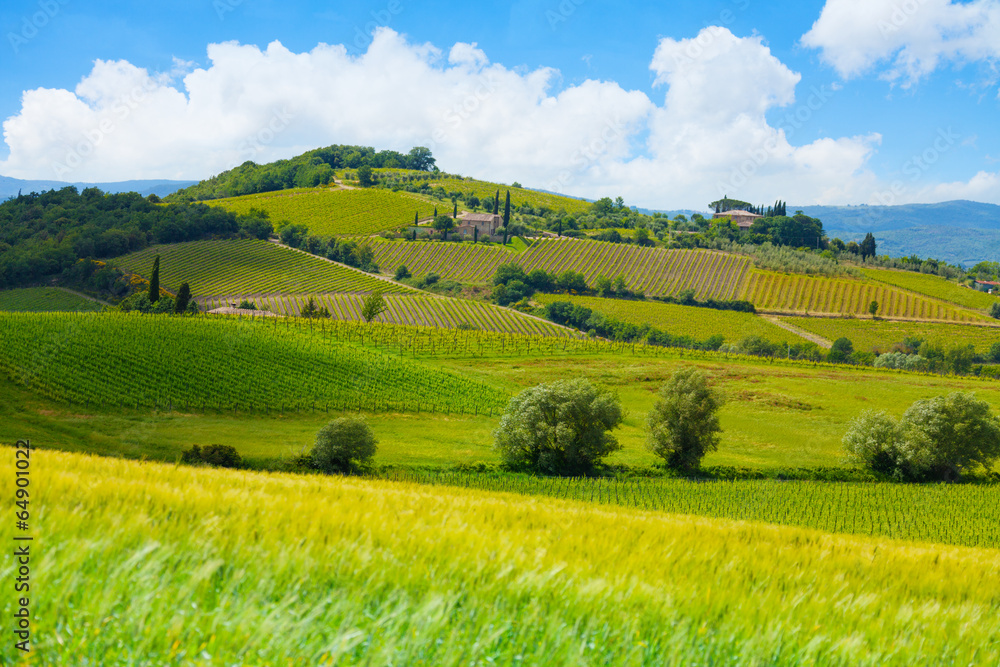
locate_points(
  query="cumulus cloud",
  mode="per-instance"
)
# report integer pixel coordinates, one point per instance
(479, 118)
(913, 37)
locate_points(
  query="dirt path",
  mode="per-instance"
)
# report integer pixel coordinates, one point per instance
(819, 340)
(84, 296)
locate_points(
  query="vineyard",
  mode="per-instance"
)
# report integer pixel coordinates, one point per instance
(335, 570)
(699, 323)
(430, 311)
(934, 286)
(881, 335)
(518, 196)
(130, 360)
(463, 262)
(249, 267)
(44, 299)
(966, 515)
(329, 212)
(798, 293)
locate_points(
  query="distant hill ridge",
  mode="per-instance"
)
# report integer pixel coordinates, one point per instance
(9, 187)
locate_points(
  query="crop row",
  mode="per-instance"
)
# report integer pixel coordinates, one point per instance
(431, 311)
(881, 335)
(249, 267)
(328, 211)
(933, 286)
(44, 299)
(967, 515)
(518, 196)
(466, 263)
(220, 363)
(819, 294)
(698, 323)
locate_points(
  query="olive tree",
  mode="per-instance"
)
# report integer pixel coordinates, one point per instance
(683, 424)
(560, 427)
(343, 445)
(937, 438)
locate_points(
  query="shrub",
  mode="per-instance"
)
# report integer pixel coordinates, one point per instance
(560, 427)
(683, 425)
(344, 445)
(223, 456)
(995, 310)
(937, 438)
(841, 351)
(402, 272)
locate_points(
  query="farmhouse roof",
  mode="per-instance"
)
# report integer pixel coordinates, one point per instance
(478, 217)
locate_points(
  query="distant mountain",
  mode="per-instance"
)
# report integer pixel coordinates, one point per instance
(9, 187)
(958, 232)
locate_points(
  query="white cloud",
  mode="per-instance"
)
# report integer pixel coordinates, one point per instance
(984, 186)
(709, 137)
(914, 37)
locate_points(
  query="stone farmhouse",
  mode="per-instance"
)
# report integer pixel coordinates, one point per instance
(743, 219)
(486, 223)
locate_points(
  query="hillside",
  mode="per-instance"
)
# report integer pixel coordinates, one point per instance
(45, 299)
(218, 268)
(10, 187)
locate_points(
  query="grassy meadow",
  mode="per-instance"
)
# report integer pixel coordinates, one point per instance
(881, 335)
(45, 299)
(155, 564)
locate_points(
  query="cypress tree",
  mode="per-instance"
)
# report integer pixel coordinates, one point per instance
(183, 297)
(154, 281)
(455, 212)
(435, 211)
(496, 204)
(416, 218)
(506, 210)
(475, 234)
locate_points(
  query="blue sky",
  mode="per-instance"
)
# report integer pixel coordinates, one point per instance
(837, 102)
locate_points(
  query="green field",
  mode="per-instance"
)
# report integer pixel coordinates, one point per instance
(157, 564)
(217, 268)
(699, 323)
(326, 211)
(417, 310)
(881, 335)
(45, 299)
(798, 293)
(518, 196)
(219, 363)
(934, 286)
(462, 262)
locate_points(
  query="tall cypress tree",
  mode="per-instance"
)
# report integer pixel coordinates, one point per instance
(455, 212)
(416, 218)
(154, 281)
(496, 204)
(183, 297)
(506, 210)
(475, 234)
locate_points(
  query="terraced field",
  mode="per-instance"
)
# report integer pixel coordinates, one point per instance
(44, 299)
(797, 293)
(699, 323)
(249, 267)
(464, 262)
(132, 360)
(934, 286)
(880, 335)
(432, 311)
(327, 211)
(654, 271)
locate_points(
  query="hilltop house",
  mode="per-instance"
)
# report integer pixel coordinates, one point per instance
(486, 223)
(743, 219)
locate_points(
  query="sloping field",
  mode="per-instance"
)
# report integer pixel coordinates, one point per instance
(44, 299)
(699, 323)
(464, 262)
(654, 271)
(934, 286)
(881, 335)
(432, 311)
(335, 571)
(254, 365)
(518, 196)
(327, 211)
(249, 267)
(797, 293)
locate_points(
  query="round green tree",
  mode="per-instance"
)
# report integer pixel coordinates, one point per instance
(560, 427)
(344, 445)
(683, 424)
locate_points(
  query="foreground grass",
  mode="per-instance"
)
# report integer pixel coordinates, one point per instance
(149, 564)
